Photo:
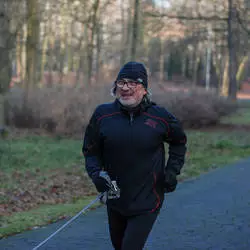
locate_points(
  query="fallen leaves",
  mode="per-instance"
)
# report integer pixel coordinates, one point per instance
(29, 189)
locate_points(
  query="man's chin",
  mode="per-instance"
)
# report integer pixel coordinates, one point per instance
(127, 102)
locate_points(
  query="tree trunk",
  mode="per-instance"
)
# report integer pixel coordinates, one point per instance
(99, 41)
(162, 61)
(70, 50)
(19, 54)
(84, 58)
(135, 30)
(23, 55)
(123, 35)
(63, 41)
(44, 56)
(44, 52)
(90, 48)
(81, 65)
(129, 31)
(51, 43)
(5, 61)
(225, 82)
(184, 64)
(196, 60)
(241, 69)
(232, 90)
(32, 42)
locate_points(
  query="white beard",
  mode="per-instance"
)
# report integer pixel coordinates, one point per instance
(131, 102)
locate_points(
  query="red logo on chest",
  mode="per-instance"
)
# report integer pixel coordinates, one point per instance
(151, 123)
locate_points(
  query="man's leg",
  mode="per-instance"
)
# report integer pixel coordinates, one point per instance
(117, 227)
(137, 231)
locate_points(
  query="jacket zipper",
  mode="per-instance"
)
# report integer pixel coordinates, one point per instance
(131, 119)
(131, 115)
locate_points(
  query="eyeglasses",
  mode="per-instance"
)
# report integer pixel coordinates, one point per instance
(130, 83)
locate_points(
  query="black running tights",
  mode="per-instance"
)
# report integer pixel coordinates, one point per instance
(130, 232)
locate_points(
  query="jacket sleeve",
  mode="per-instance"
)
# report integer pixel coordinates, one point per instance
(177, 139)
(92, 148)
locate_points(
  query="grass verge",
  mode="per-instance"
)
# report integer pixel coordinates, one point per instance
(45, 214)
(210, 150)
(39, 152)
(241, 117)
(43, 179)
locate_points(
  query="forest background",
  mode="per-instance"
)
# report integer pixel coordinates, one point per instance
(58, 60)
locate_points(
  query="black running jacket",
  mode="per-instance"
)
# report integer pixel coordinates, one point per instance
(129, 145)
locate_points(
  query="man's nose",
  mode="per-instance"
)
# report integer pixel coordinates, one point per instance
(125, 88)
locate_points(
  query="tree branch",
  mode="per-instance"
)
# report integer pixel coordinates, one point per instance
(190, 18)
(242, 24)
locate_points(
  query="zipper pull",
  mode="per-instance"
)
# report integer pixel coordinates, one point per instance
(131, 118)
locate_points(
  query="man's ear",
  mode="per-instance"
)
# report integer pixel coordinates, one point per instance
(113, 91)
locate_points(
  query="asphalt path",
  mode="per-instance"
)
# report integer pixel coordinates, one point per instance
(210, 212)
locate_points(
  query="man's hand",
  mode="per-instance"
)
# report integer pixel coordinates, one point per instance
(170, 181)
(102, 182)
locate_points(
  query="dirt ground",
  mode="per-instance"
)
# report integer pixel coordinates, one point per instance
(29, 189)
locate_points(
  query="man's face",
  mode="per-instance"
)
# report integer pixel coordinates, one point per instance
(129, 92)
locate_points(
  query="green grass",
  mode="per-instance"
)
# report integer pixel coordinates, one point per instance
(45, 214)
(34, 152)
(206, 150)
(209, 150)
(241, 117)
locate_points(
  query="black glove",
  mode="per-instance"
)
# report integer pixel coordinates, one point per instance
(170, 181)
(101, 184)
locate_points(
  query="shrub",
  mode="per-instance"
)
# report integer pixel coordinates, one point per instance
(195, 108)
(65, 110)
(58, 109)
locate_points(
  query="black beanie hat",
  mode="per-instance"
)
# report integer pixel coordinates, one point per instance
(135, 71)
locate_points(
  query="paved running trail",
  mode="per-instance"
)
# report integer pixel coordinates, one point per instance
(211, 212)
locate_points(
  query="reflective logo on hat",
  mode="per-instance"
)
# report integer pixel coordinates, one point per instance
(140, 80)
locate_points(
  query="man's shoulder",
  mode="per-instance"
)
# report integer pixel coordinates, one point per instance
(104, 108)
(161, 112)
(106, 105)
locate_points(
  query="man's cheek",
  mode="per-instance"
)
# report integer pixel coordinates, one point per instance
(118, 93)
(138, 95)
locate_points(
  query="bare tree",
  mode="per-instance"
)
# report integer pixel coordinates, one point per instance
(92, 28)
(229, 20)
(32, 42)
(135, 29)
(232, 69)
(123, 34)
(5, 60)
